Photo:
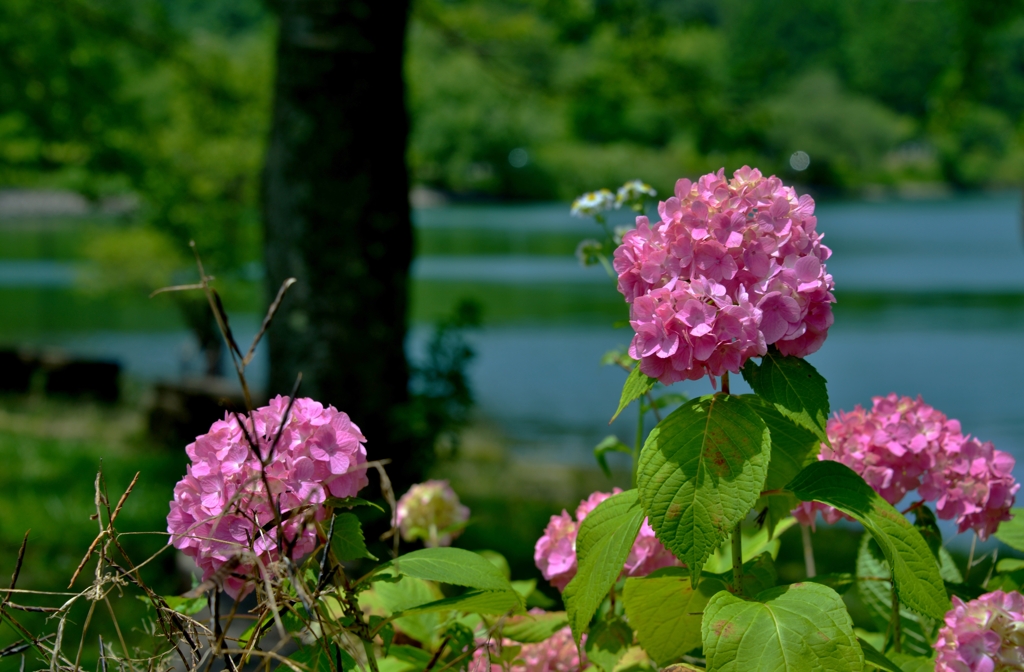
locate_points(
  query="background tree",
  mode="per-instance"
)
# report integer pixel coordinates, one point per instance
(337, 214)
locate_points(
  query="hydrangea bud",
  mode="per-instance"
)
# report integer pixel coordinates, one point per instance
(431, 512)
(555, 552)
(985, 635)
(902, 445)
(221, 510)
(732, 267)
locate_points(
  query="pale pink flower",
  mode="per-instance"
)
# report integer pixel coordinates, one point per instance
(481, 661)
(902, 445)
(555, 552)
(983, 635)
(648, 554)
(432, 512)
(557, 653)
(591, 502)
(221, 510)
(746, 250)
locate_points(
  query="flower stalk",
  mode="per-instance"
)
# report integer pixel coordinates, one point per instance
(737, 559)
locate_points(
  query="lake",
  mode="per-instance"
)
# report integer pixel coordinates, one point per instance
(931, 302)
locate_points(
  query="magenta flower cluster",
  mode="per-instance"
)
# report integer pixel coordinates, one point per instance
(221, 508)
(732, 267)
(431, 511)
(902, 445)
(555, 552)
(983, 635)
(557, 653)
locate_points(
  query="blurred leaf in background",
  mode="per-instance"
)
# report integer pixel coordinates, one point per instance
(162, 103)
(875, 92)
(166, 103)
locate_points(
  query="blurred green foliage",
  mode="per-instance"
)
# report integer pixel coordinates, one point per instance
(165, 101)
(877, 92)
(52, 451)
(169, 100)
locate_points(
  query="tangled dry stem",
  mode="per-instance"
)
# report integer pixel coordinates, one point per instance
(179, 641)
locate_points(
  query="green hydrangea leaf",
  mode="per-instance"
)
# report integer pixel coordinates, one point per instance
(758, 575)
(1011, 532)
(700, 472)
(323, 657)
(603, 543)
(840, 582)
(533, 628)
(401, 596)
(794, 387)
(874, 658)
(348, 542)
(351, 503)
(755, 542)
(914, 568)
(189, 606)
(637, 385)
(610, 444)
(607, 642)
(665, 610)
(875, 590)
(456, 566)
(909, 663)
(495, 602)
(802, 626)
(793, 448)
(402, 657)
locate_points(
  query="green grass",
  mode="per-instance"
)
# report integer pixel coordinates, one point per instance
(535, 303)
(27, 312)
(870, 302)
(51, 452)
(460, 241)
(57, 238)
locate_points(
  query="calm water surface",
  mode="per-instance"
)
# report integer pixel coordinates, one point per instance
(933, 293)
(931, 302)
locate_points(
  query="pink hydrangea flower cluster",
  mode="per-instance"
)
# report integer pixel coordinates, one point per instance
(555, 552)
(557, 653)
(902, 445)
(983, 635)
(732, 267)
(221, 508)
(432, 512)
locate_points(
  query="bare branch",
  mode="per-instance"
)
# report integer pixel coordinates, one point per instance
(17, 568)
(177, 288)
(268, 319)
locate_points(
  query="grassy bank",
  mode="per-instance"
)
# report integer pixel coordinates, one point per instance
(52, 451)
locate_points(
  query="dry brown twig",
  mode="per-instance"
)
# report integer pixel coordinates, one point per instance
(281, 586)
(239, 360)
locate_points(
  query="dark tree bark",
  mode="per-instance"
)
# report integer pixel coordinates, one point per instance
(337, 215)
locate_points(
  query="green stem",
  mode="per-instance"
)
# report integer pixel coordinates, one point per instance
(639, 440)
(894, 621)
(737, 558)
(970, 557)
(805, 534)
(725, 383)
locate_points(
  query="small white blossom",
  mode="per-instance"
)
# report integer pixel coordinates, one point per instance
(593, 203)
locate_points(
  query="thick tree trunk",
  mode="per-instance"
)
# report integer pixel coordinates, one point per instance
(337, 214)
